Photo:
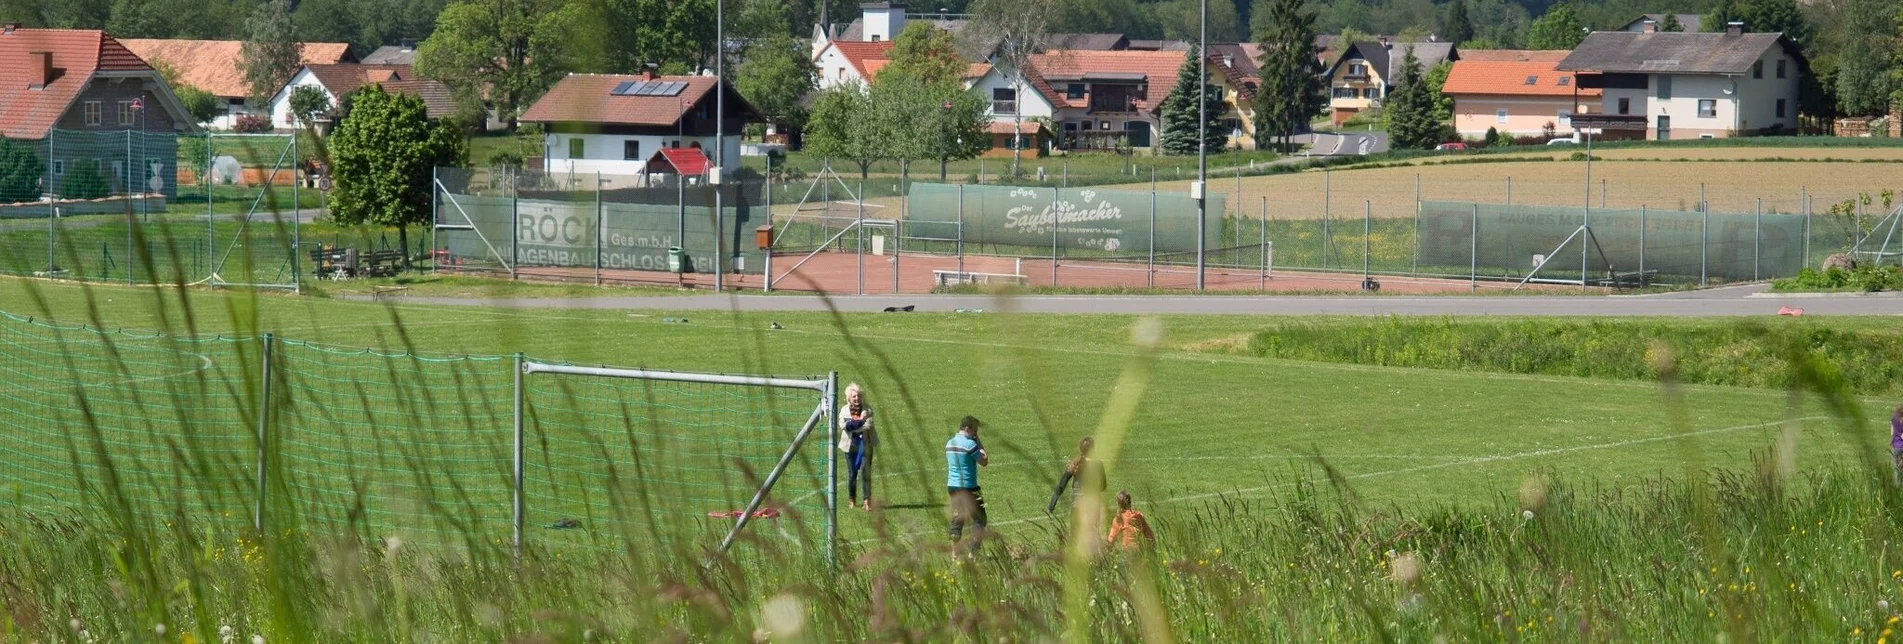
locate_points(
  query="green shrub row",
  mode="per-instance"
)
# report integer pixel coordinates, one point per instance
(1731, 354)
(1868, 279)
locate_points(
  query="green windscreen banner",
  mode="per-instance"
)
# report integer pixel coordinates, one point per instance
(1108, 221)
(1512, 240)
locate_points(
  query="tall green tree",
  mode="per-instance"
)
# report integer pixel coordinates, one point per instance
(1863, 64)
(1456, 27)
(382, 156)
(1558, 29)
(20, 170)
(503, 52)
(1776, 16)
(843, 126)
(270, 54)
(677, 35)
(774, 75)
(1671, 23)
(1722, 12)
(309, 102)
(25, 12)
(926, 53)
(1185, 116)
(1290, 94)
(1413, 116)
(915, 124)
(197, 102)
(1436, 79)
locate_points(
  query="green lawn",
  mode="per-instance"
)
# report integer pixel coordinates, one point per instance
(1209, 425)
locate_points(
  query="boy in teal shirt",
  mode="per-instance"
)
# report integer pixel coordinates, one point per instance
(963, 456)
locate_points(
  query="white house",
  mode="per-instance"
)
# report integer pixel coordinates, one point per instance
(340, 80)
(613, 123)
(1676, 85)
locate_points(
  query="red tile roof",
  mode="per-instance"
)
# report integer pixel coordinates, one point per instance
(212, 65)
(438, 101)
(1509, 78)
(1158, 69)
(77, 55)
(344, 78)
(862, 53)
(589, 98)
(682, 161)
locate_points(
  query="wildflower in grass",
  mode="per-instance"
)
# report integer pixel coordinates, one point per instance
(783, 617)
(257, 639)
(159, 629)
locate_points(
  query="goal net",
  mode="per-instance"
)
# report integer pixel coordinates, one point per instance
(609, 454)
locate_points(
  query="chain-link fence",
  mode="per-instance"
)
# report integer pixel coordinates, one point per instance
(145, 207)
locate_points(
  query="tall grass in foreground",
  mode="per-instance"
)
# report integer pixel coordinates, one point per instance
(1757, 553)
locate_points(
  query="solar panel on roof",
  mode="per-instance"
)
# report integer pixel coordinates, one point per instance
(673, 88)
(621, 89)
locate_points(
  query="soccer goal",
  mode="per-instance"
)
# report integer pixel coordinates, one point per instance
(671, 457)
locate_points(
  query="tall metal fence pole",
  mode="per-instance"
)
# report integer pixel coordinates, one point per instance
(1704, 242)
(601, 228)
(435, 216)
(1757, 241)
(264, 422)
(515, 224)
(516, 471)
(1262, 246)
(1642, 279)
(830, 402)
(211, 219)
(1367, 227)
(1473, 251)
(1152, 262)
(1327, 207)
(1416, 267)
(1856, 238)
(1054, 220)
(961, 231)
(720, 231)
(1804, 197)
(1239, 207)
(766, 283)
(859, 239)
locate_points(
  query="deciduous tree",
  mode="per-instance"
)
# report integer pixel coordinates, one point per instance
(1558, 29)
(20, 171)
(775, 73)
(382, 155)
(509, 51)
(271, 53)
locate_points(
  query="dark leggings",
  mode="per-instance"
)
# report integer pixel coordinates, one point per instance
(858, 463)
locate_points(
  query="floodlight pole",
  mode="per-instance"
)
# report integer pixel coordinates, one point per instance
(1202, 151)
(720, 130)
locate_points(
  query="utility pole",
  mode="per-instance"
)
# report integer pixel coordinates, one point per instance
(1199, 192)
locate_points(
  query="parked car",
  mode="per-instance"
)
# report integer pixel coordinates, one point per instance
(1455, 146)
(1562, 141)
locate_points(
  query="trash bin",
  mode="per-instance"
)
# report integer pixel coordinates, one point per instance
(676, 260)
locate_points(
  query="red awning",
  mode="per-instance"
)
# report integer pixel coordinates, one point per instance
(681, 161)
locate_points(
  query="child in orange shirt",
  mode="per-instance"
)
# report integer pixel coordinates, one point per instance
(1129, 524)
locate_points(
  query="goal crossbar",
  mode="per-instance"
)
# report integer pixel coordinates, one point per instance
(822, 413)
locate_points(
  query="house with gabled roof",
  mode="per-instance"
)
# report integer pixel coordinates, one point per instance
(1514, 92)
(86, 85)
(1361, 77)
(338, 81)
(1676, 85)
(614, 123)
(213, 67)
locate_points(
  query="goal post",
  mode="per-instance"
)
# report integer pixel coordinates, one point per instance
(695, 422)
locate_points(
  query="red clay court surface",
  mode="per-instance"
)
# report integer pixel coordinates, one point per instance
(841, 274)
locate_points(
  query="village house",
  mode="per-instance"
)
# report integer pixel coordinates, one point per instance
(614, 123)
(1674, 85)
(338, 81)
(1514, 92)
(1361, 77)
(80, 93)
(212, 67)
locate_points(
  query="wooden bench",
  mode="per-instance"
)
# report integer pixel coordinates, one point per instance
(951, 278)
(382, 263)
(1631, 279)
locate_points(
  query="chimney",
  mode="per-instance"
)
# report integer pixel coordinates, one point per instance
(881, 21)
(9, 28)
(1385, 44)
(1734, 28)
(647, 72)
(1651, 26)
(408, 44)
(39, 70)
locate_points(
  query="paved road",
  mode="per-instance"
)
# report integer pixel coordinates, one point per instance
(1735, 301)
(1345, 144)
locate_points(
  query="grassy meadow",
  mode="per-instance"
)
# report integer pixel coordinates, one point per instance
(1325, 497)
